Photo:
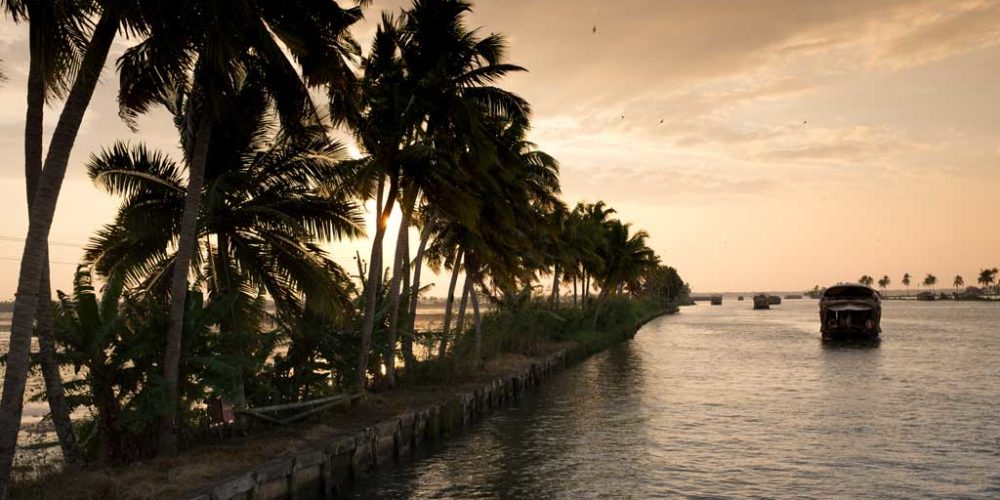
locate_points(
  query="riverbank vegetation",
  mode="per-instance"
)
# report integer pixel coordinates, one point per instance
(989, 286)
(213, 283)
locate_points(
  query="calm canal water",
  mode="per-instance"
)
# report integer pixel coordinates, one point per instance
(730, 402)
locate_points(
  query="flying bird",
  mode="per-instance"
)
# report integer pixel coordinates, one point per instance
(661, 122)
(595, 29)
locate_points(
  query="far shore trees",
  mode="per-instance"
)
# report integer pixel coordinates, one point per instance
(929, 281)
(884, 283)
(958, 282)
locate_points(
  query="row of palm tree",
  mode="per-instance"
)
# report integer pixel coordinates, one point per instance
(202, 241)
(987, 279)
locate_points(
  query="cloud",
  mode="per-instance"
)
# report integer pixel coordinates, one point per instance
(968, 26)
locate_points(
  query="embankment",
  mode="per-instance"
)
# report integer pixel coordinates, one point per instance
(332, 467)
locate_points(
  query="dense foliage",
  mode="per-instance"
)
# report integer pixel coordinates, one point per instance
(242, 216)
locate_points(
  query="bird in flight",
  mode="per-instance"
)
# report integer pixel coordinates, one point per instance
(595, 29)
(661, 122)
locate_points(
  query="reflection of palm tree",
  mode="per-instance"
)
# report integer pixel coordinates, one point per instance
(906, 283)
(959, 282)
(930, 281)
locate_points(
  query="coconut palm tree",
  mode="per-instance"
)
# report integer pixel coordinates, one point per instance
(929, 281)
(884, 283)
(204, 48)
(113, 14)
(625, 256)
(986, 277)
(906, 283)
(866, 280)
(426, 94)
(269, 197)
(958, 282)
(56, 39)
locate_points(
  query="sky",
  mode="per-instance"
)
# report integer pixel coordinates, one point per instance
(764, 145)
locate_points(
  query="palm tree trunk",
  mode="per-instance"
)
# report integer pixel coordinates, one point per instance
(449, 305)
(418, 264)
(371, 288)
(401, 266)
(40, 222)
(555, 286)
(406, 341)
(460, 324)
(574, 291)
(33, 137)
(186, 245)
(477, 343)
(601, 297)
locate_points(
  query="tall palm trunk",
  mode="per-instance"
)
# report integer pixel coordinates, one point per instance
(406, 340)
(477, 348)
(418, 264)
(371, 288)
(186, 246)
(575, 304)
(33, 137)
(460, 324)
(401, 266)
(40, 222)
(555, 286)
(450, 303)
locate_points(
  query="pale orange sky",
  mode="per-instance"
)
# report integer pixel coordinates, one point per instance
(801, 143)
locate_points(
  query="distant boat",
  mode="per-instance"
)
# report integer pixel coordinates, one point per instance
(926, 296)
(850, 311)
(793, 297)
(740, 298)
(815, 294)
(774, 300)
(761, 302)
(717, 300)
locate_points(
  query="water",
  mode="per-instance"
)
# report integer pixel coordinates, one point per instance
(726, 401)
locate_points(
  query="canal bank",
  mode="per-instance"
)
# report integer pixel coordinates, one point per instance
(331, 468)
(331, 452)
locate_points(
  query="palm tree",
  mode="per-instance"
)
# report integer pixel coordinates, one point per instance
(884, 283)
(269, 196)
(959, 282)
(986, 277)
(34, 255)
(55, 40)
(906, 283)
(626, 258)
(929, 281)
(424, 71)
(202, 48)
(866, 280)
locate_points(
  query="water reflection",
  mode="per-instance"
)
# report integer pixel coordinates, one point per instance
(724, 401)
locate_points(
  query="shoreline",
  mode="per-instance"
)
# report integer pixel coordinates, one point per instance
(327, 456)
(333, 469)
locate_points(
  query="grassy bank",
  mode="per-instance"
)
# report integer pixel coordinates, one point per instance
(513, 340)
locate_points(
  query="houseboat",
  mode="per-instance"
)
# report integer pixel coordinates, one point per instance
(774, 300)
(850, 311)
(761, 302)
(717, 300)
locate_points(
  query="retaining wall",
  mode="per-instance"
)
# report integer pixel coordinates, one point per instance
(332, 467)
